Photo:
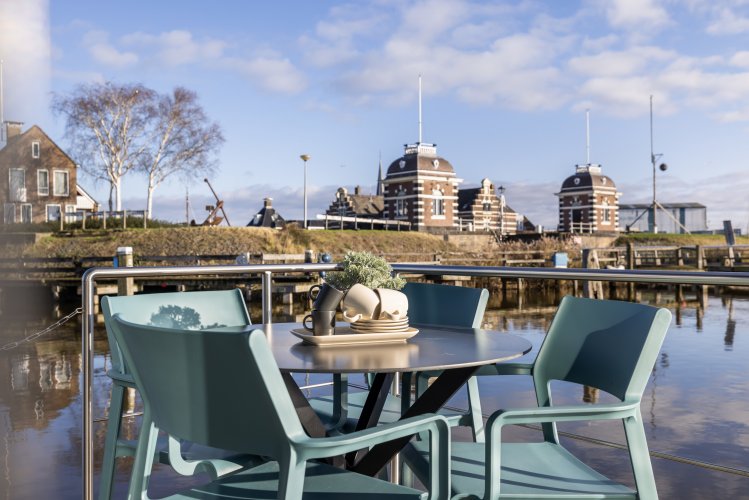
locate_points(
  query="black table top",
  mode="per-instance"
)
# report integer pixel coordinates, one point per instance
(433, 348)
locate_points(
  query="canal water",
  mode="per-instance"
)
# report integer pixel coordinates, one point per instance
(696, 406)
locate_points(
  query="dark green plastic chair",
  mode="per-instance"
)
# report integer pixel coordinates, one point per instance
(225, 390)
(608, 345)
(428, 304)
(193, 310)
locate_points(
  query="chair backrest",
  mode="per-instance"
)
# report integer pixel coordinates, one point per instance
(186, 310)
(214, 388)
(446, 305)
(607, 344)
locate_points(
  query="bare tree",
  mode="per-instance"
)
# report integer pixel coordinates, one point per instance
(106, 125)
(183, 141)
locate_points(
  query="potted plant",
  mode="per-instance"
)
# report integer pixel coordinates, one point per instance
(365, 269)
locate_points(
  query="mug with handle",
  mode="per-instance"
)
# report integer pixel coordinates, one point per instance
(323, 322)
(327, 297)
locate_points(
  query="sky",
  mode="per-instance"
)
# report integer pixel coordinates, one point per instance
(506, 86)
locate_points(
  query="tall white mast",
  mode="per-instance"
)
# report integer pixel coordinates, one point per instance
(419, 109)
(2, 104)
(587, 137)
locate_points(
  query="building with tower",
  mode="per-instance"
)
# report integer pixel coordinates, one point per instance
(588, 202)
(421, 187)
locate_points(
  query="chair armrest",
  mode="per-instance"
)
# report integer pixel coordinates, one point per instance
(439, 445)
(611, 411)
(123, 378)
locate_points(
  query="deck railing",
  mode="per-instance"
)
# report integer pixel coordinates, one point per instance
(266, 271)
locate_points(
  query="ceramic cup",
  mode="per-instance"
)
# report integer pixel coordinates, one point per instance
(325, 297)
(393, 304)
(360, 302)
(323, 322)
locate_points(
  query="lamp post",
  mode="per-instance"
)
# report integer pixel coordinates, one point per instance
(501, 190)
(304, 158)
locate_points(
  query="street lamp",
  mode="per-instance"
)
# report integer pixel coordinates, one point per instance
(304, 158)
(501, 190)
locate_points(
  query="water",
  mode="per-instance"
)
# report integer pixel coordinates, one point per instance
(696, 405)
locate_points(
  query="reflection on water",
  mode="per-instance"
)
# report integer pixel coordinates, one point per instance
(696, 404)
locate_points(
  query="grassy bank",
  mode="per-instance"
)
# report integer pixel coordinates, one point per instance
(232, 240)
(648, 239)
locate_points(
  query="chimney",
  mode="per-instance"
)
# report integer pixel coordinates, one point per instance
(267, 202)
(357, 190)
(12, 129)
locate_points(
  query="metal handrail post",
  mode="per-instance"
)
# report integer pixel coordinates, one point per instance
(266, 294)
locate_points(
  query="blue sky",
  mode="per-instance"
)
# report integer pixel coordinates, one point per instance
(506, 85)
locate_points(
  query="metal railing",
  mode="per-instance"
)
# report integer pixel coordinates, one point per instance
(267, 270)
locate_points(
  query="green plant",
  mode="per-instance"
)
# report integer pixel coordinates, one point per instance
(366, 269)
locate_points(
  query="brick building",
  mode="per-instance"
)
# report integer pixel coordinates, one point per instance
(367, 206)
(422, 188)
(38, 180)
(482, 209)
(588, 202)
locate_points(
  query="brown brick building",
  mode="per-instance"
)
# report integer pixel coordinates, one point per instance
(38, 181)
(481, 209)
(422, 188)
(367, 206)
(588, 202)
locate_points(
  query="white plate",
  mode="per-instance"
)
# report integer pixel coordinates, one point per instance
(345, 336)
(375, 329)
(383, 321)
(380, 323)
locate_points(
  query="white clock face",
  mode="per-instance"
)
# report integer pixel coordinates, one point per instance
(402, 163)
(576, 181)
(436, 163)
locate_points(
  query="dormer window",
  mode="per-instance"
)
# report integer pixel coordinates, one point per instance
(35, 149)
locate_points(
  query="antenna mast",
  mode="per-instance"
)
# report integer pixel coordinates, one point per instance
(2, 104)
(587, 136)
(419, 109)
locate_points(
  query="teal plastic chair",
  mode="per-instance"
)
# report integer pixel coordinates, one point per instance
(190, 310)
(428, 304)
(225, 390)
(604, 344)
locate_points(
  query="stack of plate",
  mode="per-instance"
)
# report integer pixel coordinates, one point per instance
(380, 325)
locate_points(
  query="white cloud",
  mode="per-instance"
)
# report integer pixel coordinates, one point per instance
(177, 47)
(638, 15)
(103, 52)
(728, 22)
(273, 73)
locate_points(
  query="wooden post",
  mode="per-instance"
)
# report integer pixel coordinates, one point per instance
(83, 223)
(591, 289)
(124, 219)
(699, 257)
(144, 219)
(679, 257)
(62, 221)
(104, 219)
(124, 258)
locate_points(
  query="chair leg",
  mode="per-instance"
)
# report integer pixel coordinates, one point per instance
(291, 477)
(640, 457)
(106, 477)
(143, 462)
(474, 410)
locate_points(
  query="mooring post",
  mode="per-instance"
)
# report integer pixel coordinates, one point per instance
(124, 258)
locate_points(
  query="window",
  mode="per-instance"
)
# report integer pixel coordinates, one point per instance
(401, 209)
(70, 215)
(35, 149)
(42, 182)
(26, 213)
(17, 184)
(438, 203)
(9, 213)
(487, 205)
(606, 211)
(53, 213)
(61, 183)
